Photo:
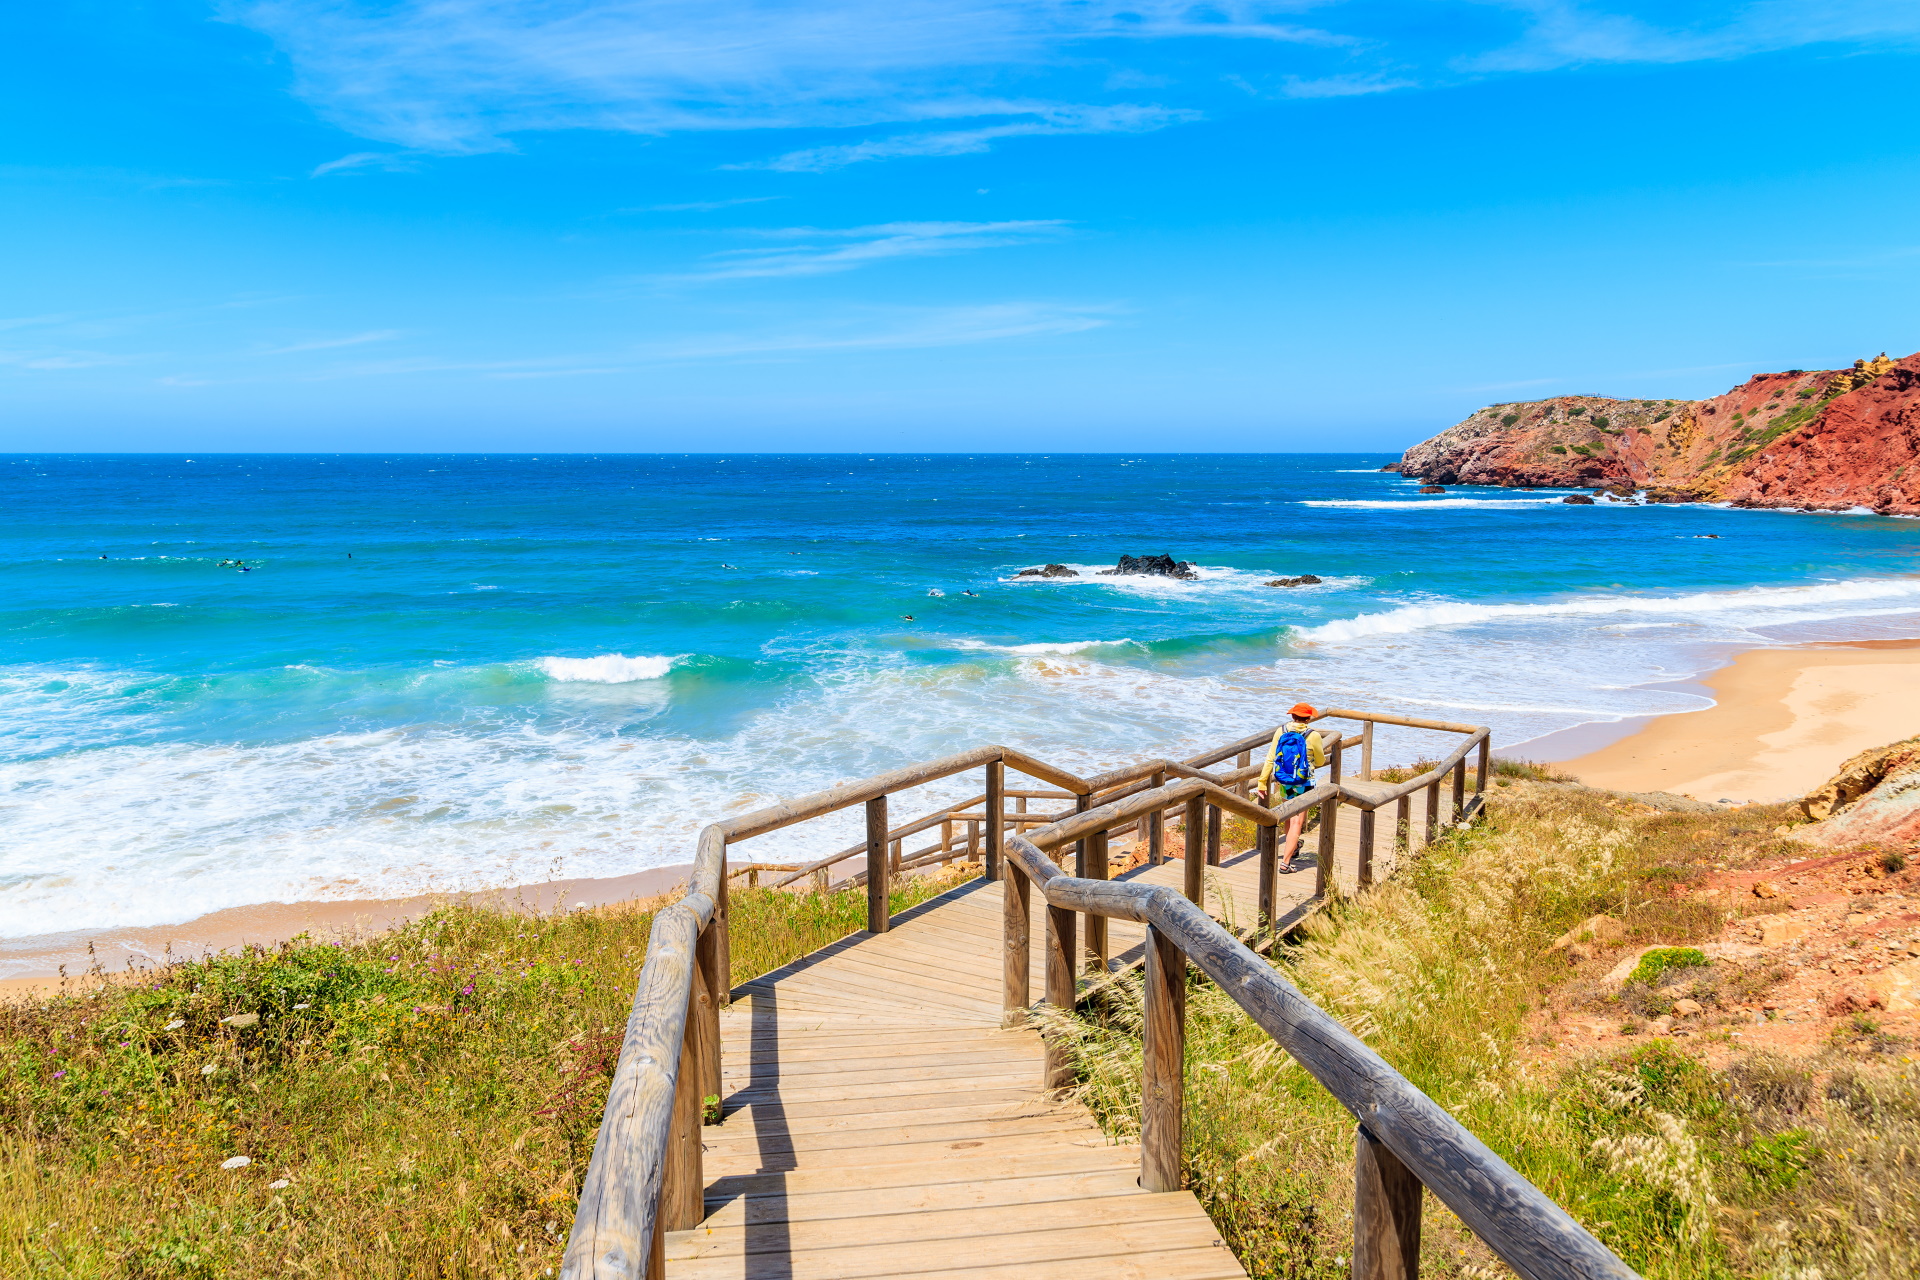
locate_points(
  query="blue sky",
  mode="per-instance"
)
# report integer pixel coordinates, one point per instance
(924, 225)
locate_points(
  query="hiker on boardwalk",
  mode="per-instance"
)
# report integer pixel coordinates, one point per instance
(1295, 753)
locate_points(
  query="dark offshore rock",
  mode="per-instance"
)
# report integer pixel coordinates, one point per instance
(1433, 488)
(1049, 571)
(1673, 495)
(1304, 580)
(1393, 467)
(1150, 566)
(1577, 500)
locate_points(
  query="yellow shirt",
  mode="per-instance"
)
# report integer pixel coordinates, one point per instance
(1316, 751)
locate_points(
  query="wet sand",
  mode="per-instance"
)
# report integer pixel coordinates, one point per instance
(1783, 722)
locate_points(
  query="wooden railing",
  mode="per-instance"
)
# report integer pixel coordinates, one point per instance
(645, 1178)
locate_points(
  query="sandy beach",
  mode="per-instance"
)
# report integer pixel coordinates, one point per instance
(1782, 723)
(34, 964)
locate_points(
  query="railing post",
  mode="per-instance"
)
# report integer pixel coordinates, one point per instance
(1386, 1213)
(1333, 758)
(1433, 811)
(703, 1016)
(1323, 877)
(878, 916)
(1157, 827)
(1267, 846)
(1403, 826)
(719, 960)
(1213, 835)
(1459, 788)
(1243, 787)
(1163, 1069)
(946, 842)
(1193, 856)
(996, 817)
(682, 1182)
(1365, 876)
(1097, 868)
(1366, 750)
(1061, 984)
(1017, 914)
(1480, 765)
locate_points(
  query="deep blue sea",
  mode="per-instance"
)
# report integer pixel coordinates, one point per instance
(467, 671)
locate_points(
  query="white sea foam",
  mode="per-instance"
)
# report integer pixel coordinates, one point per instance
(1762, 604)
(608, 668)
(1063, 646)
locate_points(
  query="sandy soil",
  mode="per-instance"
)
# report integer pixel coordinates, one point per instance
(1783, 722)
(1827, 938)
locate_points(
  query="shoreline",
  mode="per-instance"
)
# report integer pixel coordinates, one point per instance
(1783, 720)
(33, 963)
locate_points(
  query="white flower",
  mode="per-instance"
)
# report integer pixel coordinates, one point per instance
(236, 1162)
(209, 1069)
(277, 1183)
(176, 1024)
(303, 1006)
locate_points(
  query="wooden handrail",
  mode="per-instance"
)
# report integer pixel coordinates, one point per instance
(1532, 1234)
(644, 1178)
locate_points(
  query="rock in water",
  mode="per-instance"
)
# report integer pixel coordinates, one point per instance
(1304, 580)
(1433, 488)
(1161, 566)
(1049, 571)
(1577, 500)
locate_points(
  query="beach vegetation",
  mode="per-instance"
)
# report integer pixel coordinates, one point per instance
(418, 1102)
(1691, 1160)
(1556, 448)
(1508, 419)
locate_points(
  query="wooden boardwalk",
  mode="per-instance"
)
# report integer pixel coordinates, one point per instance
(879, 1121)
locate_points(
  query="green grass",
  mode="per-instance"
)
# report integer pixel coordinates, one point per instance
(417, 1103)
(1762, 1167)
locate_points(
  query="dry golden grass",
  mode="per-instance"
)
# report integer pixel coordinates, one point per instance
(1766, 1168)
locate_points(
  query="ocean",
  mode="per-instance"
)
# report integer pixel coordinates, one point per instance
(468, 671)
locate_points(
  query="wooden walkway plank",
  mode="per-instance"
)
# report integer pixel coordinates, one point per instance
(880, 1122)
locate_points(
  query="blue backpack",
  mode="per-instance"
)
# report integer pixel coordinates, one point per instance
(1292, 766)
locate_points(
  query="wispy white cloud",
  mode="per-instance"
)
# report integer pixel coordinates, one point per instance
(1563, 33)
(847, 331)
(463, 76)
(863, 246)
(701, 206)
(330, 344)
(390, 161)
(460, 76)
(954, 142)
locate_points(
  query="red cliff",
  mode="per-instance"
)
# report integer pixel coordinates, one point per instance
(1828, 439)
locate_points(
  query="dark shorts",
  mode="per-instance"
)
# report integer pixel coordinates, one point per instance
(1291, 790)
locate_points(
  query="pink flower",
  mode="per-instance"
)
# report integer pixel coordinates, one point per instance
(58, 1074)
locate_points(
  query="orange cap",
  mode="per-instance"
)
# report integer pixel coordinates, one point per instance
(1303, 711)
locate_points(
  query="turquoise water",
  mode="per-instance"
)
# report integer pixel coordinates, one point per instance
(450, 672)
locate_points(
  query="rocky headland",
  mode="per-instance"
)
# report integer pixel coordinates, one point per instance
(1828, 439)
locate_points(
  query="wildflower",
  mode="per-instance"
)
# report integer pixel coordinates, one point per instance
(278, 1184)
(209, 1069)
(58, 1074)
(176, 1024)
(236, 1162)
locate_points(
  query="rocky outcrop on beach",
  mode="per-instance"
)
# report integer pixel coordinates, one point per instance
(1875, 797)
(1151, 566)
(1049, 571)
(1304, 580)
(1826, 439)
